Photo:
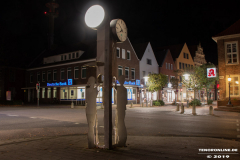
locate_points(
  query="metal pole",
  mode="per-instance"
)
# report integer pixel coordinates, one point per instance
(229, 101)
(38, 96)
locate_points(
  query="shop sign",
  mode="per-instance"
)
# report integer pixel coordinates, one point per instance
(131, 83)
(61, 83)
(180, 84)
(211, 72)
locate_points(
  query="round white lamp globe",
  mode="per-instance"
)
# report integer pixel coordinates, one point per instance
(94, 16)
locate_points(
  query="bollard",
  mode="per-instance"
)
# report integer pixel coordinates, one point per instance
(72, 105)
(131, 105)
(182, 108)
(194, 110)
(211, 110)
(177, 107)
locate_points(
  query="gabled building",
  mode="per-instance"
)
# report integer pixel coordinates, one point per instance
(182, 59)
(228, 42)
(197, 54)
(167, 67)
(147, 65)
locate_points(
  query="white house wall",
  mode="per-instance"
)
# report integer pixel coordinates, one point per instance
(148, 54)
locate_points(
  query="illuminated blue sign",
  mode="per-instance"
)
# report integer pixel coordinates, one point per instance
(131, 83)
(69, 82)
(61, 83)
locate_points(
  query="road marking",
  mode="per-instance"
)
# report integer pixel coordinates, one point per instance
(33, 117)
(12, 115)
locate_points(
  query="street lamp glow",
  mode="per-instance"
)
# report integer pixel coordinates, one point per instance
(94, 16)
(146, 79)
(229, 79)
(186, 76)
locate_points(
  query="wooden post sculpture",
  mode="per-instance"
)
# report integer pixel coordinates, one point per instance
(121, 111)
(182, 108)
(177, 107)
(91, 95)
(211, 110)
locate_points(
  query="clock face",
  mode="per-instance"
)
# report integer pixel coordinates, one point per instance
(121, 30)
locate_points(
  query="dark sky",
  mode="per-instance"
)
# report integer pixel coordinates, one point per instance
(24, 27)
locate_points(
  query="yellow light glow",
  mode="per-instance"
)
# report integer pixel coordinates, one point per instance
(94, 16)
(229, 79)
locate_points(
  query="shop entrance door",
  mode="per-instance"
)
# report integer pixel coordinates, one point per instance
(169, 97)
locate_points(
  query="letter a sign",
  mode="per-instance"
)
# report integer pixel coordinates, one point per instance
(211, 72)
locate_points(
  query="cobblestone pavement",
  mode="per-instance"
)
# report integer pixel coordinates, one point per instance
(138, 147)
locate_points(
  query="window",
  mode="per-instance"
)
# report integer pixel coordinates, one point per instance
(69, 73)
(128, 55)
(73, 55)
(166, 65)
(43, 76)
(133, 73)
(76, 73)
(49, 76)
(84, 72)
(69, 56)
(31, 78)
(191, 66)
(123, 53)
(61, 57)
(49, 93)
(43, 92)
(231, 50)
(65, 57)
(120, 71)
(38, 76)
(180, 78)
(77, 54)
(180, 65)
(234, 86)
(54, 92)
(149, 61)
(118, 52)
(186, 65)
(55, 75)
(187, 56)
(171, 67)
(126, 72)
(143, 73)
(62, 74)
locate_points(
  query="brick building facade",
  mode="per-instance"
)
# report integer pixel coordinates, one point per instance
(228, 43)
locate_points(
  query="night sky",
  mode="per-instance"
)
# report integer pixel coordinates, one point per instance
(24, 27)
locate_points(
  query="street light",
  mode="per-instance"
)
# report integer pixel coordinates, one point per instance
(145, 80)
(186, 78)
(94, 16)
(229, 101)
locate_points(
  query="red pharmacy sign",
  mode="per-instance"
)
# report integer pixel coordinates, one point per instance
(211, 72)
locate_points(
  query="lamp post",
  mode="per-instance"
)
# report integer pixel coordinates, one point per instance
(187, 79)
(146, 80)
(229, 101)
(97, 19)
